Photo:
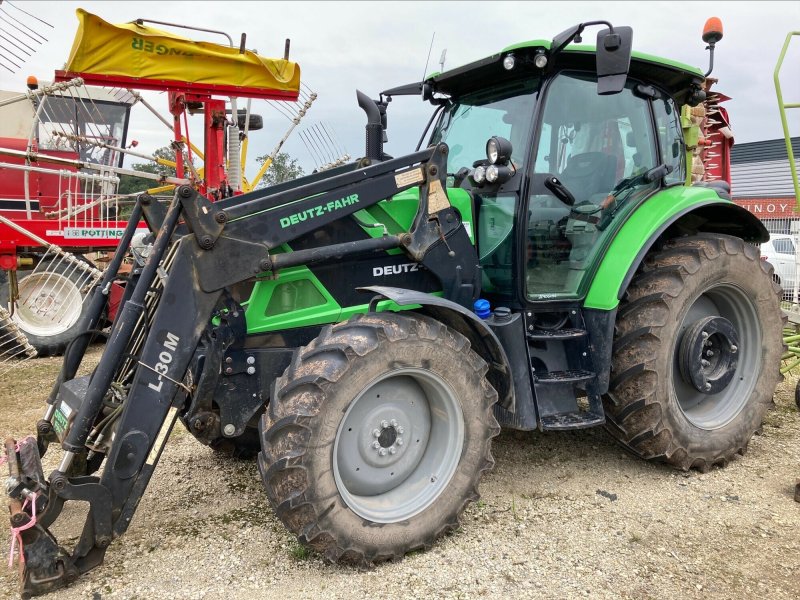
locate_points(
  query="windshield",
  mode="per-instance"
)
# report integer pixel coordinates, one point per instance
(468, 122)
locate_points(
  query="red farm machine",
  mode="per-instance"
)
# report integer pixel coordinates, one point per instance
(62, 147)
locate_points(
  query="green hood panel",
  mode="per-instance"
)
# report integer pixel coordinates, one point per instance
(637, 234)
(296, 298)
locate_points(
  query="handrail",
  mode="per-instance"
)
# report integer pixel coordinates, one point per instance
(782, 109)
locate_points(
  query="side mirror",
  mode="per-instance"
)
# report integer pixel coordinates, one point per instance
(613, 59)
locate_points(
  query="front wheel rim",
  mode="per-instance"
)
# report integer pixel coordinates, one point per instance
(398, 445)
(721, 306)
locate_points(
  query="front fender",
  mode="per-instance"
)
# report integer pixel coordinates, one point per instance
(481, 337)
(674, 211)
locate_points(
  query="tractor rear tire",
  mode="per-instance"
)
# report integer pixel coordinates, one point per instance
(697, 350)
(376, 437)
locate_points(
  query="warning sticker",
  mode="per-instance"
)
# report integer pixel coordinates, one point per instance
(409, 177)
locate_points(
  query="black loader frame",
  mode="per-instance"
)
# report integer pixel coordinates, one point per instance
(223, 243)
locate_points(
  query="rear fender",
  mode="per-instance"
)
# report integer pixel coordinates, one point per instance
(481, 337)
(664, 216)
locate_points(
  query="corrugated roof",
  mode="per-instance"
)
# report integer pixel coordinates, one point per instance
(765, 150)
(762, 179)
(761, 169)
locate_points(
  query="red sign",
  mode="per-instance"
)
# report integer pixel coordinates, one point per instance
(770, 208)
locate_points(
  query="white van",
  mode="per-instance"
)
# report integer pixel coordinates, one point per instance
(781, 252)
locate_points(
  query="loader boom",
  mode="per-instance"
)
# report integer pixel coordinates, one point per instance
(228, 242)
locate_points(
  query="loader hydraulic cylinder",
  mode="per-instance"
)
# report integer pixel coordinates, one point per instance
(123, 329)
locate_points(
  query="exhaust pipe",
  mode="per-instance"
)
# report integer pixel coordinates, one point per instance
(374, 126)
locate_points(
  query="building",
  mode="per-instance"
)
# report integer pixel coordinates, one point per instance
(761, 182)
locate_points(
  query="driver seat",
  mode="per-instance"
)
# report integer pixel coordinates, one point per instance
(589, 174)
(590, 177)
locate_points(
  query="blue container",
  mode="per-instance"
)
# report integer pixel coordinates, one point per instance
(482, 308)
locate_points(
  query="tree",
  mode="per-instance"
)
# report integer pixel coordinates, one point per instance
(283, 168)
(129, 184)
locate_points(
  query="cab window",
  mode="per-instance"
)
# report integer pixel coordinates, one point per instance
(670, 136)
(599, 148)
(467, 124)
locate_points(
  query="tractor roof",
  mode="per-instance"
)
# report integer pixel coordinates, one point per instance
(675, 77)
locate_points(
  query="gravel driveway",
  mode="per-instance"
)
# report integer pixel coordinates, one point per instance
(562, 515)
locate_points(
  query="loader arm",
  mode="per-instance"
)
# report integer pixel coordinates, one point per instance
(229, 242)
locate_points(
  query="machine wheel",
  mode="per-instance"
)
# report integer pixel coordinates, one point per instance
(797, 394)
(50, 305)
(376, 437)
(697, 352)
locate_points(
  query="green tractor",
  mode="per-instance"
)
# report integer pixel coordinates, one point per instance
(541, 262)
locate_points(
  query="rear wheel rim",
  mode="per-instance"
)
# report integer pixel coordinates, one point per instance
(398, 445)
(49, 304)
(714, 409)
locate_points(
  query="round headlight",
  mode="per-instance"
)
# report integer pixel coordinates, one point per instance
(540, 60)
(508, 62)
(492, 150)
(492, 173)
(479, 175)
(498, 150)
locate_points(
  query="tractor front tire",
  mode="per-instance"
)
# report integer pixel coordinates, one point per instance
(697, 350)
(377, 436)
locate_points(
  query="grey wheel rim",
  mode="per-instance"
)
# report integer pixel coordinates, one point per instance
(715, 409)
(49, 304)
(398, 445)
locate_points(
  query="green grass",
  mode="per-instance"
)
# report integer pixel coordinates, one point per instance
(299, 552)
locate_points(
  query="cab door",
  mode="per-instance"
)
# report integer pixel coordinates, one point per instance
(596, 147)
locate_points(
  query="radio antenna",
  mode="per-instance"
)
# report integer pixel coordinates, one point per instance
(427, 60)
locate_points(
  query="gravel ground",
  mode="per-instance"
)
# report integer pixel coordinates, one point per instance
(562, 515)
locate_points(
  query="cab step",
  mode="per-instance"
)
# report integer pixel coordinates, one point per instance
(549, 335)
(563, 377)
(572, 420)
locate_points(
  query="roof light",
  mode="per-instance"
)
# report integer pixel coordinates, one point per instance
(508, 62)
(540, 60)
(32, 82)
(479, 175)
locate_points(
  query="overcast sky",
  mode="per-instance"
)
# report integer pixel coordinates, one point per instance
(372, 46)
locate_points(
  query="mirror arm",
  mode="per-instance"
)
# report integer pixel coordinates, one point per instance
(578, 31)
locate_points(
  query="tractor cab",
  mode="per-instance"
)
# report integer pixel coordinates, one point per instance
(555, 159)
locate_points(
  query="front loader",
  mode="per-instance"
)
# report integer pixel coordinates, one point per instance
(545, 262)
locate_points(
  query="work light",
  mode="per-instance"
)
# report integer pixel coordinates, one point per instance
(498, 150)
